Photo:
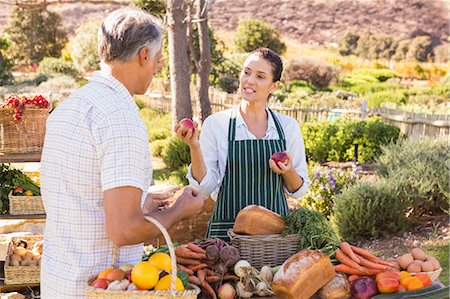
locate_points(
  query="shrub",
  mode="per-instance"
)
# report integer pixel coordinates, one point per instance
(380, 74)
(369, 209)
(252, 34)
(34, 33)
(420, 49)
(84, 45)
(314, 71)
(5, 63)
(373, 46)
(442, 53)
(348, 43)
(54, 66)
(334, 141)
(325, 185)
(402, 50)
(229, 73)
(157, 147)
(421, 170)
(159, 124)
(374, 100)
(176, 154)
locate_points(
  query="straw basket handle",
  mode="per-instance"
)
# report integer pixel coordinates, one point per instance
(115, 258)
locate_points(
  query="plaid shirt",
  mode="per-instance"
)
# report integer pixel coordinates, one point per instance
(95, 141)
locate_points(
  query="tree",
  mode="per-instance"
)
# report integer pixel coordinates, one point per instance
(420, 49)
(35, 33)
(348, 43)
(155, 7)
(252, 34)
(84, 46)
(5, 63)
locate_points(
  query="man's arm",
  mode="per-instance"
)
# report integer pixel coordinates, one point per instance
(125, 222)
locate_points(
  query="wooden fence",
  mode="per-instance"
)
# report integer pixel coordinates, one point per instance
(413, 125)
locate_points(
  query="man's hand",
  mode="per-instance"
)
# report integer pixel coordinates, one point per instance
(189, 203)
(159, 200)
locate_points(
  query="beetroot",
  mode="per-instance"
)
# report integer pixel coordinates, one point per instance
(363, 288)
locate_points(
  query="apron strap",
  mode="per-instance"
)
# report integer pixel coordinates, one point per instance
(232, 126)
(278, 125)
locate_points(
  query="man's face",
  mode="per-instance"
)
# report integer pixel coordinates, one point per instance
(150, 68)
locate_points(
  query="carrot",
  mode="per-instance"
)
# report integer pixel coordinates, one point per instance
(364, 253)
(353, 277)
(382, 262)
(230, 277)
(372, 272)
(184, 252)
(210, 272)
(342, 268)
(212, 279)
(347, 249)
(340, 256)
(195, 248)
(198, 267)
(194, 279)
(209, 289)
(371, 265)
(185, 269)
(185, 261)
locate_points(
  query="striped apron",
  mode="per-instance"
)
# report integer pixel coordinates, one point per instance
(248, 179)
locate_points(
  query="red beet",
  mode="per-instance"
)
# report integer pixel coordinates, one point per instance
(280, 157)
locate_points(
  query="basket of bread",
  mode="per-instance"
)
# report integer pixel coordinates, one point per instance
(23, 260)
(257, 235)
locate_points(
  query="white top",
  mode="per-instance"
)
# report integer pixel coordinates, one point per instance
(214, 145)
(95, 141)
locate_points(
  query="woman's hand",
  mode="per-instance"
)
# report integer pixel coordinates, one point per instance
(189, 136)
(280, 167)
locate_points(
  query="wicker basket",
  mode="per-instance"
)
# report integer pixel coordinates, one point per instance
(26, 136)
(25, 205)
(22, 274)
(260, 250)
(190, 292)
(433, 274)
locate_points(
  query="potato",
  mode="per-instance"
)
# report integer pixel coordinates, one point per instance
(34, 263)
(405, 260)
(427, 266)
(434, 261)
(25, 263)
(27, 256)
(414, 267)
(418, 254)
(16, 257)
(14, 263)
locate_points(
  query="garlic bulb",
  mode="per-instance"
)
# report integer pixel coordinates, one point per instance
(263, 289)
(242, 291)
(266, 274)
(240, 268)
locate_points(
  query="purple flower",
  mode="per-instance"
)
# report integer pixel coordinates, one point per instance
(317, 175)
(333, 183)
(330, 176)
(327, 186)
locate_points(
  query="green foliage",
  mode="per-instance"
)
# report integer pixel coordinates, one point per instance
(155, 7)
(176, 154)
(157, 147)
(402, 50)
(57, 66)
(35, 33)
(159, 124)
(374, 46)
(374, 100)
(421, 170)
(252, 34)
(5, 63)
(315, 232)
(420, 49)
(314, 71)
(325, 185)
(84, 45)
(348, 42)
(334, 141)
(369, 209)
(230, 71)
(380, 74)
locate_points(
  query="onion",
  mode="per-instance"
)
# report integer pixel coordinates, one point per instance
(240, 268)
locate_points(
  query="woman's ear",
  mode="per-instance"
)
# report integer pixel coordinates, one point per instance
(144, 55)
(274, 86)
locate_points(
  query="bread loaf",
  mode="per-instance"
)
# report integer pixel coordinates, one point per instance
(257, 220)
(302, 275)
(337, 288)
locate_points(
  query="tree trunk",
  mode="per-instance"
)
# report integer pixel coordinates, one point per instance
(204, 64)
(178, 61)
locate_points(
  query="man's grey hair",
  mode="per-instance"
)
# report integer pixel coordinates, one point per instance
(126, 31)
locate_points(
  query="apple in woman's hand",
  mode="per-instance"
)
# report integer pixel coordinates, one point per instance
(280, 157)
(188, 124)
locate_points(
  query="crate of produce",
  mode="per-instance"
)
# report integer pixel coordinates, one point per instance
(23, 260)
(25, 204)
(259, 250)
(190, 291)
(22, 124)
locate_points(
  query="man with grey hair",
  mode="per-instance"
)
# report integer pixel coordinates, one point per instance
(96, 167)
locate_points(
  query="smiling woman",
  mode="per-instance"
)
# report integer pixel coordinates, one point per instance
(232, 159)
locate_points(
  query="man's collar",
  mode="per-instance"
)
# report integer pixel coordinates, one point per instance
(108, 80)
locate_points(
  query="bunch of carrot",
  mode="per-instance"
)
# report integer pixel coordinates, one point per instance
(192, 259)
(357, 262)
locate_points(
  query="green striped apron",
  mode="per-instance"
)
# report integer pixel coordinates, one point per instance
(248, 179)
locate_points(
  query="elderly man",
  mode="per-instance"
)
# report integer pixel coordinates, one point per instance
(96, 165)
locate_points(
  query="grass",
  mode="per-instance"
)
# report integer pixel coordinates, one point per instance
(441, 252)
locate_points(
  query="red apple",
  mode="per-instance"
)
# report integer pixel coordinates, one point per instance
(100, 283)
(187, 123)
(280, 157)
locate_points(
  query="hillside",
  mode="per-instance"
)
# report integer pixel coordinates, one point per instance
(307, 21)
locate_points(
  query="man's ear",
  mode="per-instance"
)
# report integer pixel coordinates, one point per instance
(144, 55)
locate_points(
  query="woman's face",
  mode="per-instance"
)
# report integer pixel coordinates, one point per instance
(255, 83)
